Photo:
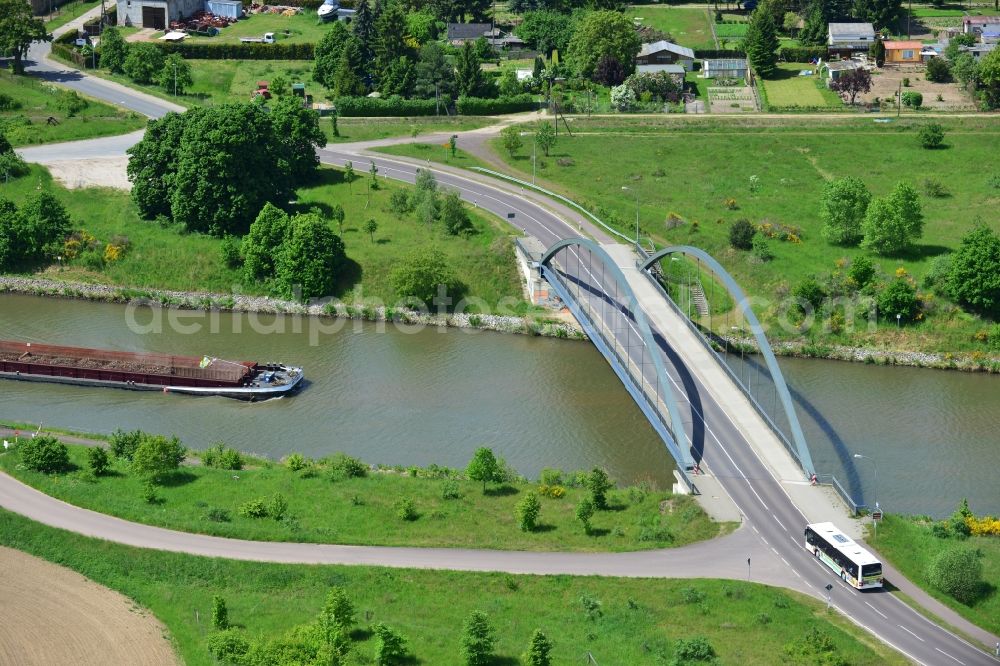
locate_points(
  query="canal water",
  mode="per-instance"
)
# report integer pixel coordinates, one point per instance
(434, 395)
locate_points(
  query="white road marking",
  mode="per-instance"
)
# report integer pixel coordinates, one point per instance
(949, 656)
(913, 634)
(779, 522)
(884, 616)
(784, 560)
(796, 573)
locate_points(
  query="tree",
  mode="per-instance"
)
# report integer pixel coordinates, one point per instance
(988, 73)
(790, 22)
(584, 512)
(880, 13)
(19, 30)
(468, 72)
(230, 163)
(310, 258)
(965, 69)
(327, 54)
(348, 75)
(862, 271)
(97, 460)
(809, 294)
(337, 215)
(390, 646)
(538, 650)
(609, 71)
(398, 78)
(761, 44)
(938, 71)
(884, 231)
(338, 611)
(349, 174)
(390, 42)
(144, 62)
(973, 278)
(11, 164)
(814, 30)
(42, 225)
(877, 52)
(599, 484)
(419, 275)
(931, 135)
(527, 511)
(296, 128)
(371, 226)
(175, 76)
(435, 77)
(852, 83)
(603, 33)
(545, 137)
(113, 50)
(152, 163)
(906, 202)
(484, 467)
(123, 444)
(958, 573)
(899, 298)
(421, 25)
(220, 613)
(478, 640)
(546, 31)
(260, 246)
(156, 455)
(363, 29)
(454, 216)
(44, 454)
(741, 234)
(510, 137)
(842, 209)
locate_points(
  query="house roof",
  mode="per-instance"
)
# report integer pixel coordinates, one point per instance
(898, 46)
(980, 20)
(842, 65)
(848, 30)
(664, 45)
(467, 30)
(726, 63)
(653, 69)
(991, 30)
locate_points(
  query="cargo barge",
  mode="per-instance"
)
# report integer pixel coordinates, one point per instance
(141, 371)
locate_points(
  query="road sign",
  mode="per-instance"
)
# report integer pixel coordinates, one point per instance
(876, 515)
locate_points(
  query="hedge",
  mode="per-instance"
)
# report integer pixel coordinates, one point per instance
(241, 51)
(391, 106)
(474, 106)
(719, 53)
(802, 53)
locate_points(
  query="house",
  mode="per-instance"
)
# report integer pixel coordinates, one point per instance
(665, 53)
(834, 70)
(724, 68)
(460, 33)
(156, 14)
(974, 25)
(850, 37)
(928, 51)
(902, 52)
(979, 51)
(990, 34)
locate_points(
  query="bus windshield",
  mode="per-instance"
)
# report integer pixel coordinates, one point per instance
(871, 570)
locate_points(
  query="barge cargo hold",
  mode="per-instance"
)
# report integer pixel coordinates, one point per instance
(141, 371)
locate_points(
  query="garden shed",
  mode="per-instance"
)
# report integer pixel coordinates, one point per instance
(225, 8)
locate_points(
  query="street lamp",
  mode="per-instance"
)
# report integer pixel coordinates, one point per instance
(874, 464)
(636, 192)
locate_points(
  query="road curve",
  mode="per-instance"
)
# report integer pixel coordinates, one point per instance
(769, 511)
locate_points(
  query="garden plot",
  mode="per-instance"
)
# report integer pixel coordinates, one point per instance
(730, 99)
(886, 82)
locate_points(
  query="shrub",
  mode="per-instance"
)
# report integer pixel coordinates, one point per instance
(937, 70)
(692, 595)
(932, 134)
(554, 492)
(591, 606)
(550, 477)
(584, 512)
(149, 495)
(255, 508)
(277, 506)
(220, 613)
(156, 455)
(741, 234)
(693, 649)
(390, 645)
(123, 444)
(44, 454)
(862, 271)
(229, 646)
(538, 650)
(527, 511)
(348, 467)
(296, 462)
(899, 298)
(810, 292)
(475, 106)
(934, 188)
(478, 640)
(912, 99)
(391, 106)
(599, 484)
(450, 490)
(217, 515)
(406, 509)
(957, 572)
(222, 457)
(97, 460)
(730, 203)
(761, 248)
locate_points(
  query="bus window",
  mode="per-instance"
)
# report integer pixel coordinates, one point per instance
(871, 570)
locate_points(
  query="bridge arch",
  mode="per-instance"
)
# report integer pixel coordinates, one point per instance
(743, 303)
(672, 433)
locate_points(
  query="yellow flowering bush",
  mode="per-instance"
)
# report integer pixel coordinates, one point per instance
(113, 253)
(553, 491)
(985, 526)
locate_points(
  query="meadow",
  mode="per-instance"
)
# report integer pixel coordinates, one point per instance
(690, 168)
(689, 27)
(69, 11)
(165, 257)
(370, 129)
(24, 119)
(635, 621)
(788, 90)
(327, 506)
(910, 544)
(304, 28)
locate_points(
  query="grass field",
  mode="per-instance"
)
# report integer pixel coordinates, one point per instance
(168, 259)
(324, 507)
(703, 163)
(909, 545)
(788, 90)
(438, 154)
(69, 11)
(367, 129)
(304, 28)
(36, 102)
(731, 32)
(688, 26)
(640, 620)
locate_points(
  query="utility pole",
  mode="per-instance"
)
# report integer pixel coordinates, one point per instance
(534, 146)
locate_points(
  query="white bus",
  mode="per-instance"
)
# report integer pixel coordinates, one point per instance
(839, 552)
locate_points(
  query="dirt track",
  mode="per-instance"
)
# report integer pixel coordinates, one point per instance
(51, 615)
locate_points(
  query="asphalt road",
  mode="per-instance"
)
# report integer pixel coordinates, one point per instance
(772, 537)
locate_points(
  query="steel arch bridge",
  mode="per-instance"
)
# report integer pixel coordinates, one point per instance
(594, 287)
